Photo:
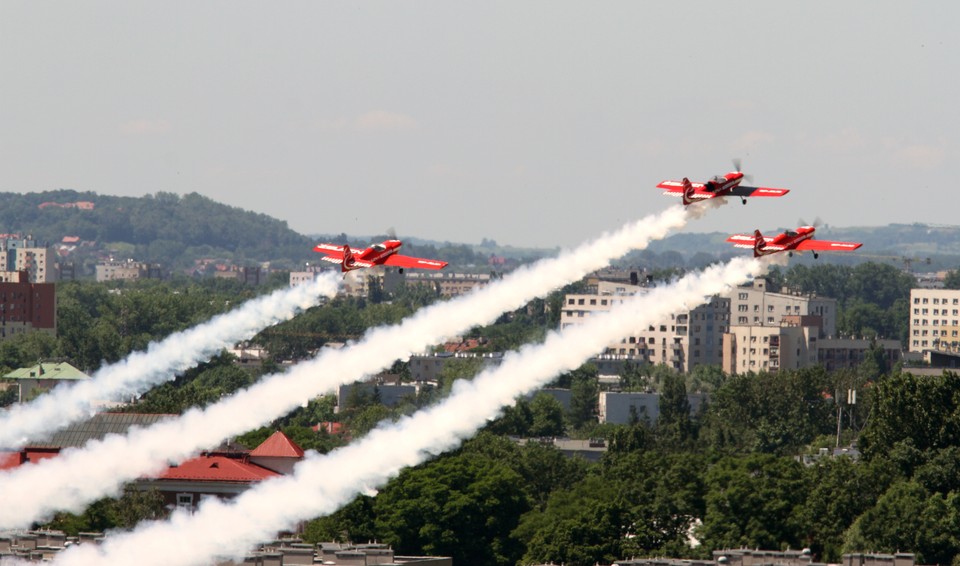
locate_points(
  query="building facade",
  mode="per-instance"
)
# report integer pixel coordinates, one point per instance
(934, 319)
(27, 307)
(689, 338)
(24, 254)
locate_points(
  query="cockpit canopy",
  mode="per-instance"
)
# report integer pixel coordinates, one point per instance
(378, 247)
(719, 179)
(790, 233)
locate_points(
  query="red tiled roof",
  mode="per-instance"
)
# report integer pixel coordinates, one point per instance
(278, 445)
(217, 468)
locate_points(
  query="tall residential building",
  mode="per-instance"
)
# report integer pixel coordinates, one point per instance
(27, 307)
(24, 254)
(934, 319)
(689, 338)
(755, 304)
(792, 345)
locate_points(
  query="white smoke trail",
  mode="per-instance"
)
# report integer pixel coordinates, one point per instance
(323, 483)
(77, 477)
(158, 363)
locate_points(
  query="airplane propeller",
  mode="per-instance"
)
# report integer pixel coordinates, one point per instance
(817, 222)
(746, 177)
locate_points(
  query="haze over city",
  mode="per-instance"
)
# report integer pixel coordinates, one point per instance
(537, 124)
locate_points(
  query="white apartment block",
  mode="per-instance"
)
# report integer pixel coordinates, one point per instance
(689, 338)
(755, 305)
(757, 348)
(120, 270)
(934, 319)
(23, 254)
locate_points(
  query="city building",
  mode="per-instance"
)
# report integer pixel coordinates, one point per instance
(128, 270)
(27, 307)
(754, 304)
(792, 345)
(629, 407)
(934, 319)
(25, 254)
(43, 377)
(444, 283)
(839, 353)
(689, 338)
(429, 367)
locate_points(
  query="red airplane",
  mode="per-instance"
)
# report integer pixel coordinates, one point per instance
(377, 254)
(800, 240)
(719, 186)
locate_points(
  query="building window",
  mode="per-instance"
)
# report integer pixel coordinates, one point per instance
(185, 500)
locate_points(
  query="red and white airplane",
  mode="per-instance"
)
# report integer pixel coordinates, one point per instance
(384, 253)
(719, 186)
(799, 240)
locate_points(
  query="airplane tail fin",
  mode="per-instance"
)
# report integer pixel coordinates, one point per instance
(687, 191)
(758, 243)
(348, 260)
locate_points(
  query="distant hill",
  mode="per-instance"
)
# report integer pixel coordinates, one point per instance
(176, 230)
(164, 227)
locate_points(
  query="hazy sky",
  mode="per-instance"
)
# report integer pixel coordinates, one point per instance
(532, 123)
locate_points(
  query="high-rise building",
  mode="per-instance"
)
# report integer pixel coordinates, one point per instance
(24, 254)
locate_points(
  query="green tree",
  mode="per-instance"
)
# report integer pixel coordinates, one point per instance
(749, 502)
(458, 505)
(907, 518)
(546, 416)
(924, 410)
(674, 427)
(584, 393)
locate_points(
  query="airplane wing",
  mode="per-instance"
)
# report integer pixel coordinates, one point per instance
(408, 261)
(333, 249)
(746, 241)
(741, 191)
(828, 246)
(676, 187)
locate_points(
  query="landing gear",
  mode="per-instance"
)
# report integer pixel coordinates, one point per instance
(789, 254)
(743, 200)
(815, 255)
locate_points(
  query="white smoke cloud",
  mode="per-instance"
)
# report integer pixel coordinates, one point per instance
(323, 483)
(77, 477)
(158, 363)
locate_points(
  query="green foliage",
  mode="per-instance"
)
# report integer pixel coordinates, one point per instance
(124, 512)
(771, 413)
(353, 522)
(164, 227)
(464, 506)
(197, 387)
(908, 516)
(873, 298)
(922, 410)
(674, 426)
(584, 393)
(840, 490)
(9, 395)
(749, 502)
(547, 416)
